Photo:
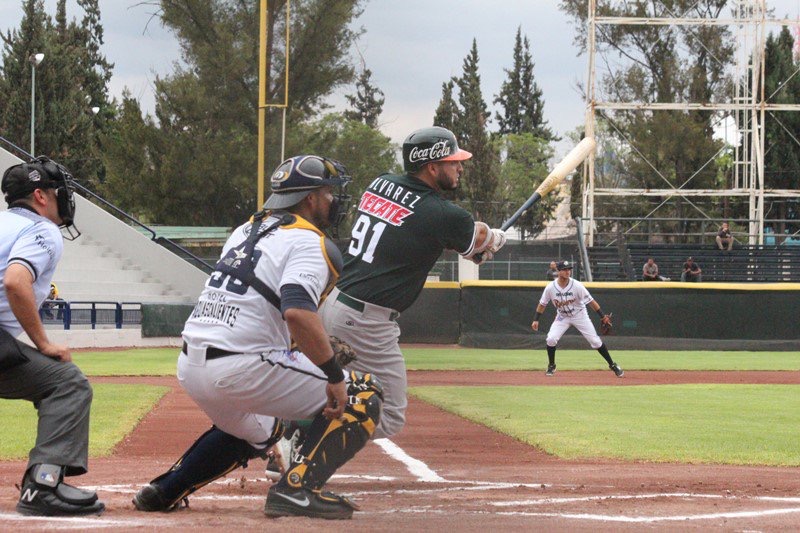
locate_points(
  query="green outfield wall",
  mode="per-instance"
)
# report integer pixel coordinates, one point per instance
(663, 315)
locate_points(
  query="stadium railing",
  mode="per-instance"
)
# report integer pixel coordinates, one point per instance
(93, 314)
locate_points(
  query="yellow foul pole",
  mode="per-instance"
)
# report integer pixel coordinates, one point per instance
(262, 94)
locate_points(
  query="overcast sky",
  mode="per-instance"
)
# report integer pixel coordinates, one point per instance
(411, 46)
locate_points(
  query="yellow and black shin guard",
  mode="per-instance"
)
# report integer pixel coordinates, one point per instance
(331, 443)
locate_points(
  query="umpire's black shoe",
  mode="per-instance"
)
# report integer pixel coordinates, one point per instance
(551, 369)
(286, 501)
(617, 370)
(45, 494)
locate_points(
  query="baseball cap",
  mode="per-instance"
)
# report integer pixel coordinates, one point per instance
(22, 179)
(296, 177)
(564, 265)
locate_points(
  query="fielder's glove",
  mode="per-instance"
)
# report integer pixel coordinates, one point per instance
(606, 327)
(342, 352)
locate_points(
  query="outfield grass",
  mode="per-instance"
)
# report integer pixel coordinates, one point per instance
(162, 361)
(116, 409)
(728, 424)
(133, 362)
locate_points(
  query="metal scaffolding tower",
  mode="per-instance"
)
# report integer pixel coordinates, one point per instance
(749, 107)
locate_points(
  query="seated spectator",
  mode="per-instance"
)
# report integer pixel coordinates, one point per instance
(650, 271)
(691, 271)
(724, 238)
(552, 272)
(53, 302)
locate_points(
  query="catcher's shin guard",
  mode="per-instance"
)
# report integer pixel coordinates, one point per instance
(331, 443)
(211, 456)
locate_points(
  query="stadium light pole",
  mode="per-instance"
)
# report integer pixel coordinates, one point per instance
(34, 59)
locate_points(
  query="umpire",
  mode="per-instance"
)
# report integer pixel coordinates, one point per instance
(39, 197)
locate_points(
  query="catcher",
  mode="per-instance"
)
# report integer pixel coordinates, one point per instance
(571, 298)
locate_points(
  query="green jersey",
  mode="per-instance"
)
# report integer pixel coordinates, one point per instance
(401, 228)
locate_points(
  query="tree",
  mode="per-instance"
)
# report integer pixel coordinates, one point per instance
(202, 150)
(481, 180)
(661, 63)
(368, 101)
(447, 113)
(70, 81)
(781, 144)
(524, 165)
(520, 96)
(364, 151)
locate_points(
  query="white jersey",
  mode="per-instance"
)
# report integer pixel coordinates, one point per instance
(35, 242)
(570, 301)
(230, 317)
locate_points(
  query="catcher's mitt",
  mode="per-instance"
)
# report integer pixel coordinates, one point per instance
(342, 352)
(606, 327)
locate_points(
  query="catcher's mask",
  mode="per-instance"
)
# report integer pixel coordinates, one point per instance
(427, 145)
(296, 177)
(21, 180)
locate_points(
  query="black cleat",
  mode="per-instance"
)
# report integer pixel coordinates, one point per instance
(617, 370)
(286, 501)
(551, 369)
(151, 499)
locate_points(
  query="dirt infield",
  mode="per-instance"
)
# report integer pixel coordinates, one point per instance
(444, 472)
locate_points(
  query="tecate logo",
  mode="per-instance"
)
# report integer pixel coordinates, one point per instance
(437, 151)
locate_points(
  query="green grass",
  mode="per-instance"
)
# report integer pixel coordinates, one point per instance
(728, 424)
(116, 409)
(162, 361)
(481, 359)
(133, 362)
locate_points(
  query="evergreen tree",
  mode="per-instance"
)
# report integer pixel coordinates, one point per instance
(368, 101)
(520, 96)
(481, 175)
(70, 81)
(447, 113)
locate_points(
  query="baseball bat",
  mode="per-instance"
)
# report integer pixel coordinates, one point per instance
(575, 157)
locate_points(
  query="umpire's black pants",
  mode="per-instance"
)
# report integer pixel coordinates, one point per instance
(62, 396)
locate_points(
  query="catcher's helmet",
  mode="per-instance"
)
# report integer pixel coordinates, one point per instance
(42, 173)
(296, 177)
(564, 265)
(431, 144)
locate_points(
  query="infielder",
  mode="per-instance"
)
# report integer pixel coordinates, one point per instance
(402, 226)
(255, 352)
(39, 196)
(570, 298)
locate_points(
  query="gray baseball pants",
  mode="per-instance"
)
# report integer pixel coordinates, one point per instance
(374, 334)
(63, 397)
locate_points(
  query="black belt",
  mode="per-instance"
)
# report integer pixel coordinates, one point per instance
(352, 303)
(212, 353)
(359, 306)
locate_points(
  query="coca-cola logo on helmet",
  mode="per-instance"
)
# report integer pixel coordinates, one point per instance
(438, 150)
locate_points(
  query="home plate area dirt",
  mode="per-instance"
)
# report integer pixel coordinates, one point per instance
(443, 473)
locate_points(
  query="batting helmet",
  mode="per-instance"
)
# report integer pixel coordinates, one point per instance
(427, 145)
(564, 265)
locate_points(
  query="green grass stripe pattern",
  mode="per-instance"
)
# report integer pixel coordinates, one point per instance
(716, 424)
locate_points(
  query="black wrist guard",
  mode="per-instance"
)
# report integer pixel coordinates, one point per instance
(537, 316)
(332, 370)
(601, 313)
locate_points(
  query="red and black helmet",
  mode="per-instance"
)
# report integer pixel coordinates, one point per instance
(427, 145)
